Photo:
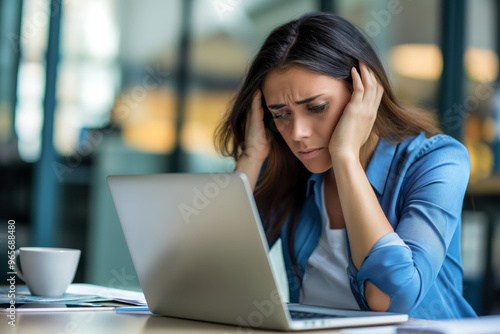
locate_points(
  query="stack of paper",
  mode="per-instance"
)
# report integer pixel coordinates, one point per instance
(24, 296)
(78, 292)
(124, 296)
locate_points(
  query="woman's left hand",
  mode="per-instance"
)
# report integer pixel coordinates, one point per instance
(358, 117)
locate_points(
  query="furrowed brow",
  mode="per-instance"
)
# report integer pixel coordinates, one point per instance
(306, 100)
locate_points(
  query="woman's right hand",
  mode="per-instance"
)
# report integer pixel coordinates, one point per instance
(257, 142)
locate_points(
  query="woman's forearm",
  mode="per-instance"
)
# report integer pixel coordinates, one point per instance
(365, 221)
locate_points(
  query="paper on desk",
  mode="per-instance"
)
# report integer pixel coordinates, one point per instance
(22, 295)
(78, 292)
(481, 325)
(124, 296)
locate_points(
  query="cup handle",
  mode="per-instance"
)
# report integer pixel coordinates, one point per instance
(18, 271)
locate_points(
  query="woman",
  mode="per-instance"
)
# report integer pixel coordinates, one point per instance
(365, 193)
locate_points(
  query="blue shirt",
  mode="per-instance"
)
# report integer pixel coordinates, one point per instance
(420, 185)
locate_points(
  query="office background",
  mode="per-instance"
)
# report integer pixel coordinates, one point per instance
(98, 87)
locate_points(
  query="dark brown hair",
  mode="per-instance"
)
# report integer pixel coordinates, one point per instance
(325, 44)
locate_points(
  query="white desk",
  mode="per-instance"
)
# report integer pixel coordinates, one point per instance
(108, 322)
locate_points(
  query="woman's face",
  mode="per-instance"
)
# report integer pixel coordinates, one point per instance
(306, 108)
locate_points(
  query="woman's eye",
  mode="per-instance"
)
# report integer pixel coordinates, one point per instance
(318, 109)
(280, 115)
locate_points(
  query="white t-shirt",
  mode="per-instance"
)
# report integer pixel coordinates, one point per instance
(325, 280)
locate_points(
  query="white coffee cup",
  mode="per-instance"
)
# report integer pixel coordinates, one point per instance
(47, 271)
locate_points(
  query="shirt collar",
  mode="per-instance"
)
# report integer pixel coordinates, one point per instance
(314, 183)
(380, 164)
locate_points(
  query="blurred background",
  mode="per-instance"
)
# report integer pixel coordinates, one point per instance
(98, 87)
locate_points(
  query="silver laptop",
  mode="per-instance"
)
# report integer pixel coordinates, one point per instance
(200, 253)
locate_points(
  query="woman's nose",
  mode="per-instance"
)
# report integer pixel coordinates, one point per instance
(300, 129)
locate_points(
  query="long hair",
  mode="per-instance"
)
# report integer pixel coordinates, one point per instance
(326, 44)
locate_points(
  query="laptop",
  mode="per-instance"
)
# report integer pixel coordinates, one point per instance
(200, 252)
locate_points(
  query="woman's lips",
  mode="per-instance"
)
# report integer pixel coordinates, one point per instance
(308, 154)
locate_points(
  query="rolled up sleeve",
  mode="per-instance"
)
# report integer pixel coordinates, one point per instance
(405, 264)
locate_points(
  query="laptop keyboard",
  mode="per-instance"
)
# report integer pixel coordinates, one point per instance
(299, 315)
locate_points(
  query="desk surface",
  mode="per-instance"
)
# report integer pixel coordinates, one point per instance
(97, 322)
